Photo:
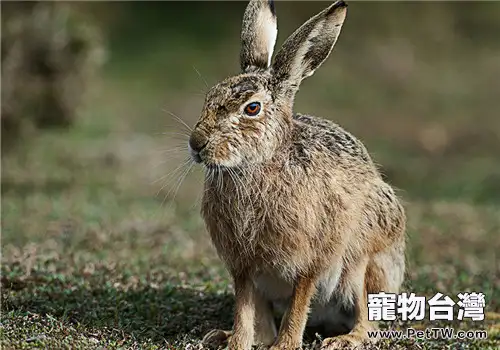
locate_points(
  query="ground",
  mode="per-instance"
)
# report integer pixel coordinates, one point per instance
(103, 245)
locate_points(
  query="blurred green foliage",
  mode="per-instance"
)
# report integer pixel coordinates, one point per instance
(417, 81)
(49, 54)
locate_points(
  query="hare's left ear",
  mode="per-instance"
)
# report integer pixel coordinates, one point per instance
(258, 35)
(308, 47)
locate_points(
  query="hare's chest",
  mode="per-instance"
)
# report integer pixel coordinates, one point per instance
(266, 227)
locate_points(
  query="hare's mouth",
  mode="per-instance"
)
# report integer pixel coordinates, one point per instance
(206, 156)
(195, 153)
(196, 157)
(216, 167)
(221, 164)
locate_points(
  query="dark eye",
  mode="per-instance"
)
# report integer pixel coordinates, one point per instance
(252, 109)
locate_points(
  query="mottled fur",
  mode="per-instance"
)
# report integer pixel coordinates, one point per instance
(293, 203)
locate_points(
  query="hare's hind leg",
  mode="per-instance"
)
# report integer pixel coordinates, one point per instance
(353, 293)
(384, 272)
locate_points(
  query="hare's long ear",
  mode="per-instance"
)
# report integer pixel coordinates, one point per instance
(258, 35)
(308, 47)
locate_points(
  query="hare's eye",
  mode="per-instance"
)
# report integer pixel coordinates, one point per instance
(252, 109)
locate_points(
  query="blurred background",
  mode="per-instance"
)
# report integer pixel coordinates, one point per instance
(93, 152)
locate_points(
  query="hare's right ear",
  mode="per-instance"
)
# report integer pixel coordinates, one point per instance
(258, 35)
(307, 48)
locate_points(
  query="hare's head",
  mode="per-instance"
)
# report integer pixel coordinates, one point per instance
(246, 117)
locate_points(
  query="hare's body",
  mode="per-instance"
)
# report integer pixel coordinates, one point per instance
(257, 216)
(294, 204)
(258, 221)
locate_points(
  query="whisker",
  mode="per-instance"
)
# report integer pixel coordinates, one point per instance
(173, 151)
(248, 188)
(222, 179)
(181, 180)
(199, 197)
(179, 119)
(171, 188)
(200, 93)
(186, 162)
(172, 159)
(179, 144)
(219, 179)
(236, 182)
(210, 175)
(165, 160)
(201, 77)
(174, 133)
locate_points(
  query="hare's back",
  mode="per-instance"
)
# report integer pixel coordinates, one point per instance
(331, 136)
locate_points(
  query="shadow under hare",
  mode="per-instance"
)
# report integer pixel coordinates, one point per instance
(293, 203)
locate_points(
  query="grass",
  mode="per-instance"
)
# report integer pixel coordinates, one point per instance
(102, 249)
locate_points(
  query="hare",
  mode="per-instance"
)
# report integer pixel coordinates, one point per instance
(294, 205)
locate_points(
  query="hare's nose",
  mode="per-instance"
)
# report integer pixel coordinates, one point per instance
(197, 141)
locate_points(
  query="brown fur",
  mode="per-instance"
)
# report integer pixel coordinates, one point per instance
(294, 205)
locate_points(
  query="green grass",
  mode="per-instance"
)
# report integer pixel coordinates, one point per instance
(100, 249)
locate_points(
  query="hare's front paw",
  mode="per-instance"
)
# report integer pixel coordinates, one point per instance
(347, 341)
(216, 338)
(286, 345)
